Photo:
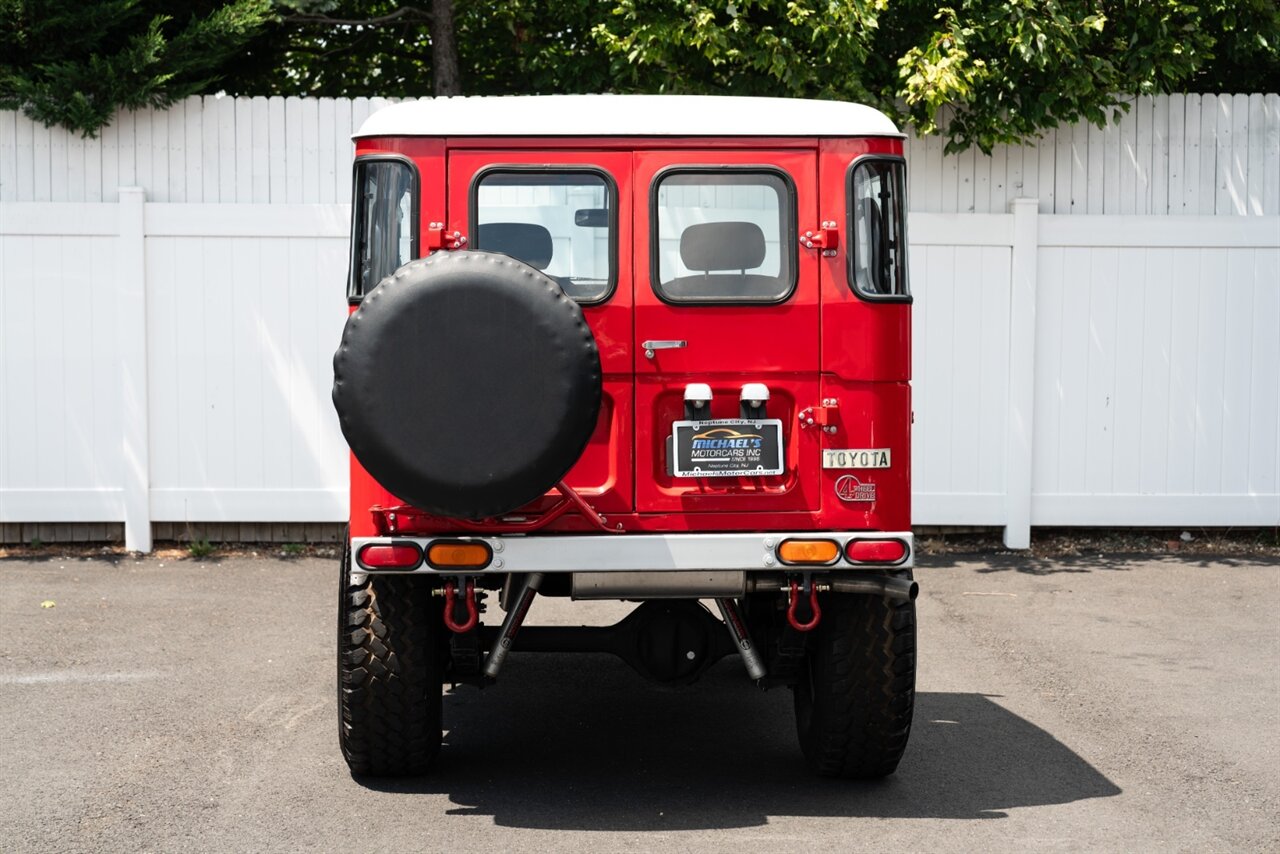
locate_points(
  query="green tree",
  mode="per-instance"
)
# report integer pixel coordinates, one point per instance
(75, 63)
(336, 48)
(1007, 68)
(327, 48)
(1246, 51)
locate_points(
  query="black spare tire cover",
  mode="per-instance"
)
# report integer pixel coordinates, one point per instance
(467, 383)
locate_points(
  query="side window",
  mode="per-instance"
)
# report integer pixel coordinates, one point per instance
(877, 202)
(723, 236)
(561, 222)
(383, 223)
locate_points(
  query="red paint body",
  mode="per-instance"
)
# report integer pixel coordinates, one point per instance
(822, 342)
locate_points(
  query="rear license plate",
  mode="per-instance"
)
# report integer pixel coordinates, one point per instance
(730, 447)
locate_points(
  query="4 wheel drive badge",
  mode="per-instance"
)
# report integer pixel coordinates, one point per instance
(849, 488)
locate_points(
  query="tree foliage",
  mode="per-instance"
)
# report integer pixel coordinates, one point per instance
(998, 70)
(74, 63)
(348, 48)
(1007, 68)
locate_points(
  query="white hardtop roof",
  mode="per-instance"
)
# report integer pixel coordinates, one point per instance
(626, 115)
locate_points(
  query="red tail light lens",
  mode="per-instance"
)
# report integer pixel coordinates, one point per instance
(393, 556)
(875, 551)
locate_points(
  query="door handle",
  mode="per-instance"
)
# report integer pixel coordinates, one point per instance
(651, 346)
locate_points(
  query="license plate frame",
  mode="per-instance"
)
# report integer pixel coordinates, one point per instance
(756, 451)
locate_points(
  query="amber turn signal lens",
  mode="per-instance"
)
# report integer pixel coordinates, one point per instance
(470, 555)
(876, 551)
(819, 552)
(394, 556)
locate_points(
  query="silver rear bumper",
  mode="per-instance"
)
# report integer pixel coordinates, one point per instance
(641, 552)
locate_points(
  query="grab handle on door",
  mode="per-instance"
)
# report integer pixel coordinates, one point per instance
(651, 346)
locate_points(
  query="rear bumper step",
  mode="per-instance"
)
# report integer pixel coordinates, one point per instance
(743, 552)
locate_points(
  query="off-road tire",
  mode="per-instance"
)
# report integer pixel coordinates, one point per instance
(856, 692)
(390, 666)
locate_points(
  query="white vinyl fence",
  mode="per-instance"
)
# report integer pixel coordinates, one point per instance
(1097, 319)
(1096, 370)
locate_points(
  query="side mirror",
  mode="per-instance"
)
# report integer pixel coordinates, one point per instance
(591, 217)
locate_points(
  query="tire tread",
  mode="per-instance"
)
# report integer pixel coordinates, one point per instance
(856, 696)
(389, 674)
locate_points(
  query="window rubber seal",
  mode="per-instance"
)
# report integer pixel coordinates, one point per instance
(904, 298)
(610, 185)
(790, 237)
(354, 296)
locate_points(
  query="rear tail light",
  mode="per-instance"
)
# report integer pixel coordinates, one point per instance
(456, 554)
(876, 551)
(390, 556)
(809, 552)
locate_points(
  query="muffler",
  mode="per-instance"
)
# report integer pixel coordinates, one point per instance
(660, 584)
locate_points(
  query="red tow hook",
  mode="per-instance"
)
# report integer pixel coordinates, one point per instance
(794, 600)
(451, 597)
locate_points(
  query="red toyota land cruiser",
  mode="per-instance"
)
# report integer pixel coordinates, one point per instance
(644, 348)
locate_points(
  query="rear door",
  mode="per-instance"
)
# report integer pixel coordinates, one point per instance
(565, 213)
(725, 297)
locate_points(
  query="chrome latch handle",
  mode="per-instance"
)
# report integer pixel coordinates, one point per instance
(651, 346)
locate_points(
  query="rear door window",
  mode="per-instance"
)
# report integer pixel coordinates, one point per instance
(562, 222)
(384, 221)
(877, 204)
(723, 236)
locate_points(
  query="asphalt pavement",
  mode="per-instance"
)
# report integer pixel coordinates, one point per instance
(1107, 704)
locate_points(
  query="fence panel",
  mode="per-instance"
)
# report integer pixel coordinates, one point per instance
(242, 314)
(59, 391)
(961, 337)
(1156, 373)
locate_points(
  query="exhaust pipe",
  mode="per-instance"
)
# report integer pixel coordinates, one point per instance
(897, 589)
(742, 639)
(511, 625)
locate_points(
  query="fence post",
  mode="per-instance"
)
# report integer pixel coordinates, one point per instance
(1022, 349)
(131, 324)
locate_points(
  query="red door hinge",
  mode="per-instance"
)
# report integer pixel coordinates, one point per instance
(436, 238)
(824, 417)
(826, 238)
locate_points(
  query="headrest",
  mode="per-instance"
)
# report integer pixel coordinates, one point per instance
(523, 240)
(711, 246)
